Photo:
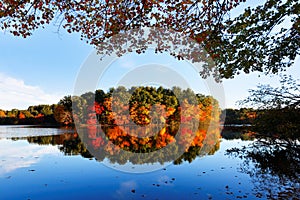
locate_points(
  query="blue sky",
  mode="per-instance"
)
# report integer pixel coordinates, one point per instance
(43, 68)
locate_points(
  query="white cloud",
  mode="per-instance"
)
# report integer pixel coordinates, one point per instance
(14, 93)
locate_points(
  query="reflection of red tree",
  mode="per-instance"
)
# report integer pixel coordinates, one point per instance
(91, 117)
(95, 140)
(92, 132)
(98, 142)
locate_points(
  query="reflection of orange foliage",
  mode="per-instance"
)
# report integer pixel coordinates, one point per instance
(198, 139)
(122, 137)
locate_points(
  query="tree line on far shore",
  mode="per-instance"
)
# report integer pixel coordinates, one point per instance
(58, 114)
(141, 100)
(34, 115)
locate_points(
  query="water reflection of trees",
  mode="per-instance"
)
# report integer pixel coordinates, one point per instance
(237, 132)
(275, 172)
(201, 142)
(71, 144)
(68, 143)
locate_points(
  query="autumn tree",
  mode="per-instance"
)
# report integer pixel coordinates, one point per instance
(62, 115)
(262, 38)
(27, 114)
(2, 114)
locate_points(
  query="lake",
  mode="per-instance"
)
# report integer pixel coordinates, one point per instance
(52, 163)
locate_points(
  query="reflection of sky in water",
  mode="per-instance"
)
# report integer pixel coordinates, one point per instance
(26, 130)
(19, 154)
(31, 171)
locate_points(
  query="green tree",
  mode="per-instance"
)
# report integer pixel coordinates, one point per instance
(66, 102)
(99, 95)
(47, 110)
(79, 108)
(27, 114)
(32, 110)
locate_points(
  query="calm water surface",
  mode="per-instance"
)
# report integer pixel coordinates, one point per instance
(36, 166)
